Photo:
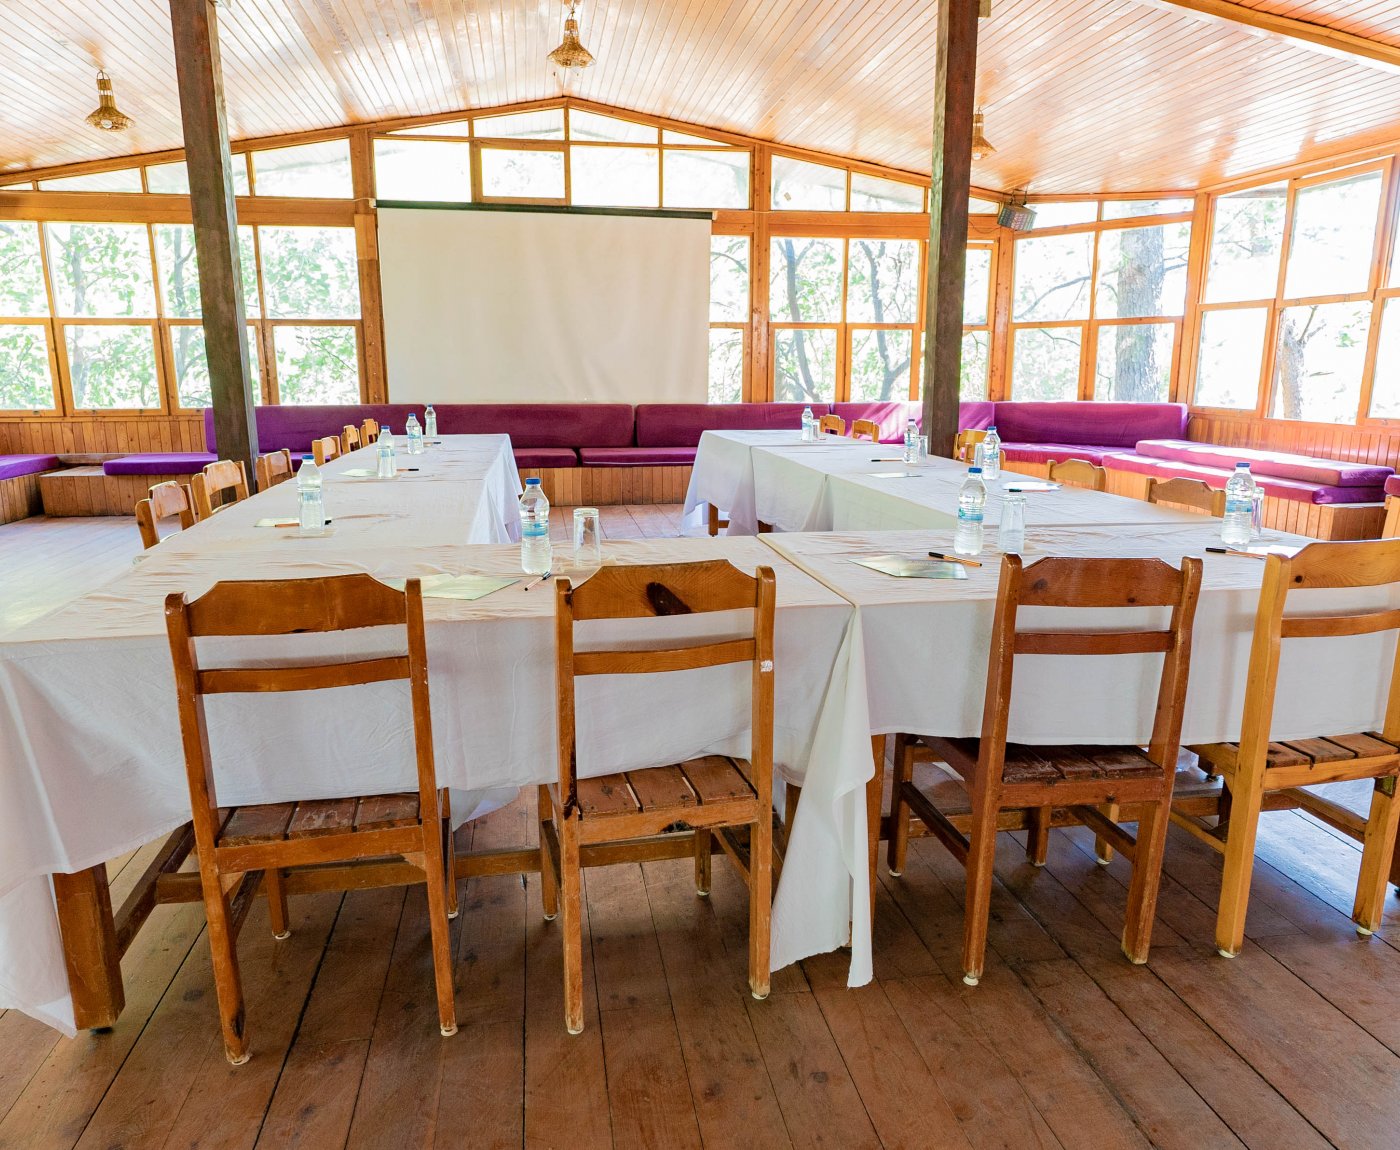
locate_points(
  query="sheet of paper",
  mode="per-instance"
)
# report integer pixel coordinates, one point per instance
(284, 523)
(447, 586)
(1030, 485)
(894, 475)
(903, 567)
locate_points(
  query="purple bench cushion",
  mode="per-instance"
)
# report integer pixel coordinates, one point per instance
(681, 424)
(636, 456)
(159, 463)
(1274, 486)
(15, 466)
(1329, 472)
(1392, 485)
(892, 416)
(976, 415)
(1120, 425)
(542, 456)
(1055, 452)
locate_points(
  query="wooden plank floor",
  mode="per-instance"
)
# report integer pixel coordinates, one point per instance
(1295, 1044)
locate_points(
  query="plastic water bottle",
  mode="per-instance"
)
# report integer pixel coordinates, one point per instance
(413, 431)
(911, 442)
(387, 467)
(535, 549)
(313, 505)
(809, 426)
(991, 454)
(972, 506)
(430, 422)
(1238, 527)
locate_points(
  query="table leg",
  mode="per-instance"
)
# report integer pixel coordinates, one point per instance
(874, 803)
(90, 949)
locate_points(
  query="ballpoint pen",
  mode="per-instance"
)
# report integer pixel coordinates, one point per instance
(538, 579)
(1235, 551)
(954, 559)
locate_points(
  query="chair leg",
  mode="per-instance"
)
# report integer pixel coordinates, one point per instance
(703, 839)
(1146, 880)
(977, 908)
(898, 849)
(277, 903)
(549, 881)
(791, 794)
(434, 869)
(1103, 853)
(760, 906)
(449, 855)
(570, 882)
(1377, 855)
(228, 985)
(1038, 839)
(1246, 801)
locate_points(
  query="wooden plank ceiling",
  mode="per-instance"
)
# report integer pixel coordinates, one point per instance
(1081, 95)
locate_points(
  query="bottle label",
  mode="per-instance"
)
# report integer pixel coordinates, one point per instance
(970, 518)
(1239, 505)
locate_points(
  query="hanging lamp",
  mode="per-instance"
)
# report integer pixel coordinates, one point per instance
(981, 146)
(571, 55)
(108, 117)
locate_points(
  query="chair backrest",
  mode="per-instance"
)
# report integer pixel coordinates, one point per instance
(866, 427)
(1079, 473)
(369, 431)
(1193, 493)
(1097, 584)
(965, 444)
(832, 425)
(652, 591)
(166, 499)
(325, 449)
(292, 607)
(349, 438)
(273, 468)
(218, 485)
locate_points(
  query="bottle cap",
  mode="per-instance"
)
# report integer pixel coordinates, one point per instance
(304, 458)
(991, 427)
(532, 483)
(974, 471)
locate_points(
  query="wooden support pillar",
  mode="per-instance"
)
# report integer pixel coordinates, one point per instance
(956, 82)
(201, 82)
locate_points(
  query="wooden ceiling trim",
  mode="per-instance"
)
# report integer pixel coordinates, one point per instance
(1332, 41)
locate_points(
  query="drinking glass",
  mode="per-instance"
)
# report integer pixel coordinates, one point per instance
(1012, 534)
(921, 449)
(588, 539)
(1256, 514)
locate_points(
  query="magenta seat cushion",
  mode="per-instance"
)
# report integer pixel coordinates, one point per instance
(977, 415)
(635, 456)
(159, 463)
(1274, 486)
(681, 424)
(1392, 485)
(542, 456)
(1055, 452)
(892, 416)
(1307, 469)
(14, 466)
(1119, 425)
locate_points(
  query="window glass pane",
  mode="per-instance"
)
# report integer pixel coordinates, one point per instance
(179, 270)
(1245, 245)
(884, 281)
(316, 365)
(21, 270)
(431, 170)
(729, 279)
(1052, 277)
(805, 280)
(726, 365)
(192, 364)
(591, 126)
(706, 179)
(979, 206)
(125, 180)
(805, 365)
(872, 194)
(1046, 363)
(1385, 390)
(1123, 209)
(977, 285)
(450, 128)
(547, 124)
(112, 366)
(1058, 215)
(1318, 362)
(1142, 271)
(669, 137)
(316, 170)
(101, 269)
(798, 185)
(25, 380)
(622, 177)
(310, 273)
(880, 363)
(1334, 234)
(1133, 363)
(1232, 347)
(976, 354)
(522, 175)
(174, 179)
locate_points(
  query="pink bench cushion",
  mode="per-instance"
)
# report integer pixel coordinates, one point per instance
(159, 463)
(1274, 486)
(682, 424)
(1392, 485)
(542, 456)
(1119, 425)
(15, 466)
(1055, 452)
(977, 415)
(893, 416)
(1307, 469)
(636, 456)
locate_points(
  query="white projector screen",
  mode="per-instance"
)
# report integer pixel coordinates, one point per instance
(544, 307)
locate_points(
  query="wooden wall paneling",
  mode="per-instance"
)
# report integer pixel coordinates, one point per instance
(19, 498)
(611, 486)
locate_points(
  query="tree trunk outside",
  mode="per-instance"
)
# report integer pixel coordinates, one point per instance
(1141, 274)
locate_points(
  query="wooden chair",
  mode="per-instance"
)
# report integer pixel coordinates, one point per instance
(965, 444)
(349, 438)
(326, 449)
(716, 524)
(831, 425)
(242, 846)
(1255, 767)
(1392, 517)
(1192, 493)
(273, 468)
(866, 427)
(713, 794)
(223, 480)
(1088, 783)
(369, 432)
(1079, 473)
(166, 499)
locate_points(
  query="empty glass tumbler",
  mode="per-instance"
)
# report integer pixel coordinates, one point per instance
(1012, 534)
(588, 538)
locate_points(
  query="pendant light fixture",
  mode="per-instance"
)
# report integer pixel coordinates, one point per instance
(981, 146)
(108, 117)
(571, 55)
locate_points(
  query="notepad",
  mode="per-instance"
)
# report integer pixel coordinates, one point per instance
(282, 523)
(360, 471)
(903, 567)
(1030, 485)
(447, 586)
(894, 475)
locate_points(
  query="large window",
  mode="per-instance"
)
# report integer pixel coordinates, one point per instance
(729, 317)
(26, 373)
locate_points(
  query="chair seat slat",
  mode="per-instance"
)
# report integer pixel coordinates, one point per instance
(237, 680)
(666, 659)
(265, 823)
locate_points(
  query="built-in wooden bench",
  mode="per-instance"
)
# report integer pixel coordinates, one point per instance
(87, 491)
(19, 484)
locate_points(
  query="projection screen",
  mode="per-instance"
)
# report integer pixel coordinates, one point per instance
(530, 306)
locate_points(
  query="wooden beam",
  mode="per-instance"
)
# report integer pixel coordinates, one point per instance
(196, 35)
(90, 949)
(955, 85)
